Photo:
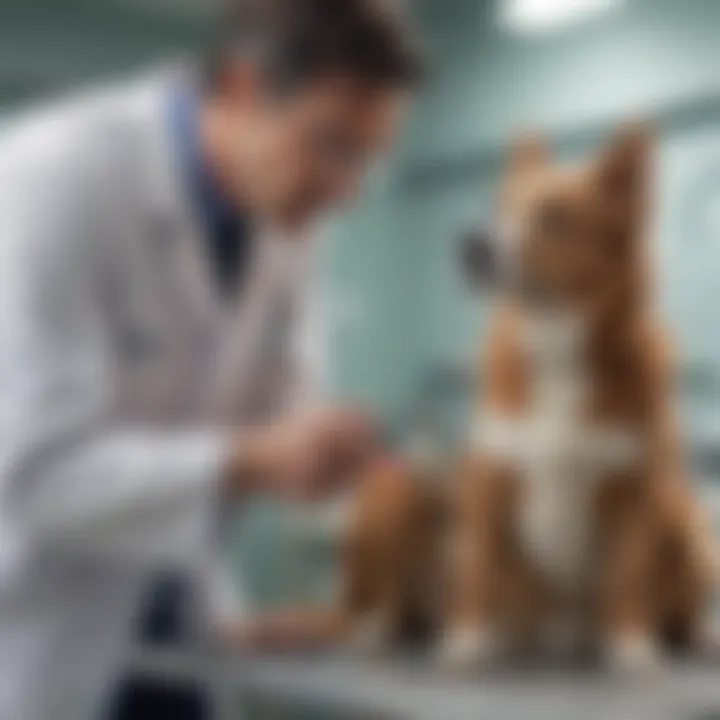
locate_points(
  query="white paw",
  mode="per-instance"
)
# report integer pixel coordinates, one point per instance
(634, 654)
(371, 636)
(707, 639)
(467, 647)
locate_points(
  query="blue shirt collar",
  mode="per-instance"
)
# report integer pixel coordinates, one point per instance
(226, 228)
(185, 118)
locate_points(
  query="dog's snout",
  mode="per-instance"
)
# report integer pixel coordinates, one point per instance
(479, 258)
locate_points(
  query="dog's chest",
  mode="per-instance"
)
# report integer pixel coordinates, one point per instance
(559, 454)
(557, 489)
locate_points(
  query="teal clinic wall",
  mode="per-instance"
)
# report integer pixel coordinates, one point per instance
(371, 277)
(653, 58)
(50, 45)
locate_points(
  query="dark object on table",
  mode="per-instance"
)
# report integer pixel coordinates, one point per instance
(165, 622)
(142, 699)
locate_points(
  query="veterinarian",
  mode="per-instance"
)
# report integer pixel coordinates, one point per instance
(156, 340)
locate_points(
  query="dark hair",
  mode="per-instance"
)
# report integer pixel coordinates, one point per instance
(297, 41)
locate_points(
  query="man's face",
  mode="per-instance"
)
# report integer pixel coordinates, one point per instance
(304, 153)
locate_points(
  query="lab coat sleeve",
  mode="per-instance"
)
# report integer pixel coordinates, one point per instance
(226, 602)
(305, 391)
(308, 355)
(71, 479)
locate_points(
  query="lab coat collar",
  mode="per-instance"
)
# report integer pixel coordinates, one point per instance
(172, 211)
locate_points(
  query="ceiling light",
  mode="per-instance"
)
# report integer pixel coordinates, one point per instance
(531, 16)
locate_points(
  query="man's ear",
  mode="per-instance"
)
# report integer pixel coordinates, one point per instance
(623, 172)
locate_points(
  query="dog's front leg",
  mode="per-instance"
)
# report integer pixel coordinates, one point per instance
(627, 539)
(475, 565)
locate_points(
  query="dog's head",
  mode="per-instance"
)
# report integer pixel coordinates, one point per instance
(568, 238)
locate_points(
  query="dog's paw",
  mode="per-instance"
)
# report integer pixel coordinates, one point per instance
(372, 635)
(634, 654)
(467, 647)
(707, 638)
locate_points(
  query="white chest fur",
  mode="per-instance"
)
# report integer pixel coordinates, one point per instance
(559, 455)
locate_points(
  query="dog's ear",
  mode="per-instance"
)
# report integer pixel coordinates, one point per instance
(623, 172)
(529, 152)
(527, 156)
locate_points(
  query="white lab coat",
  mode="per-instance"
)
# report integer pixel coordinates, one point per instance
(120, 374)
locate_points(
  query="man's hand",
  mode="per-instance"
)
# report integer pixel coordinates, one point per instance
(285, 631)
(301, 457)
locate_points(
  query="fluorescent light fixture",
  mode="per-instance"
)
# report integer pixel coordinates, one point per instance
(532, 16)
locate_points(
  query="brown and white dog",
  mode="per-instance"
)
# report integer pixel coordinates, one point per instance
(571, 519)
(575, 520)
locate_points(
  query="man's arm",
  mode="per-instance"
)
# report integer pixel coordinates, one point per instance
(69, 478)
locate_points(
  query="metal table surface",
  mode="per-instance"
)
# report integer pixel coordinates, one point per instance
(412, 689)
